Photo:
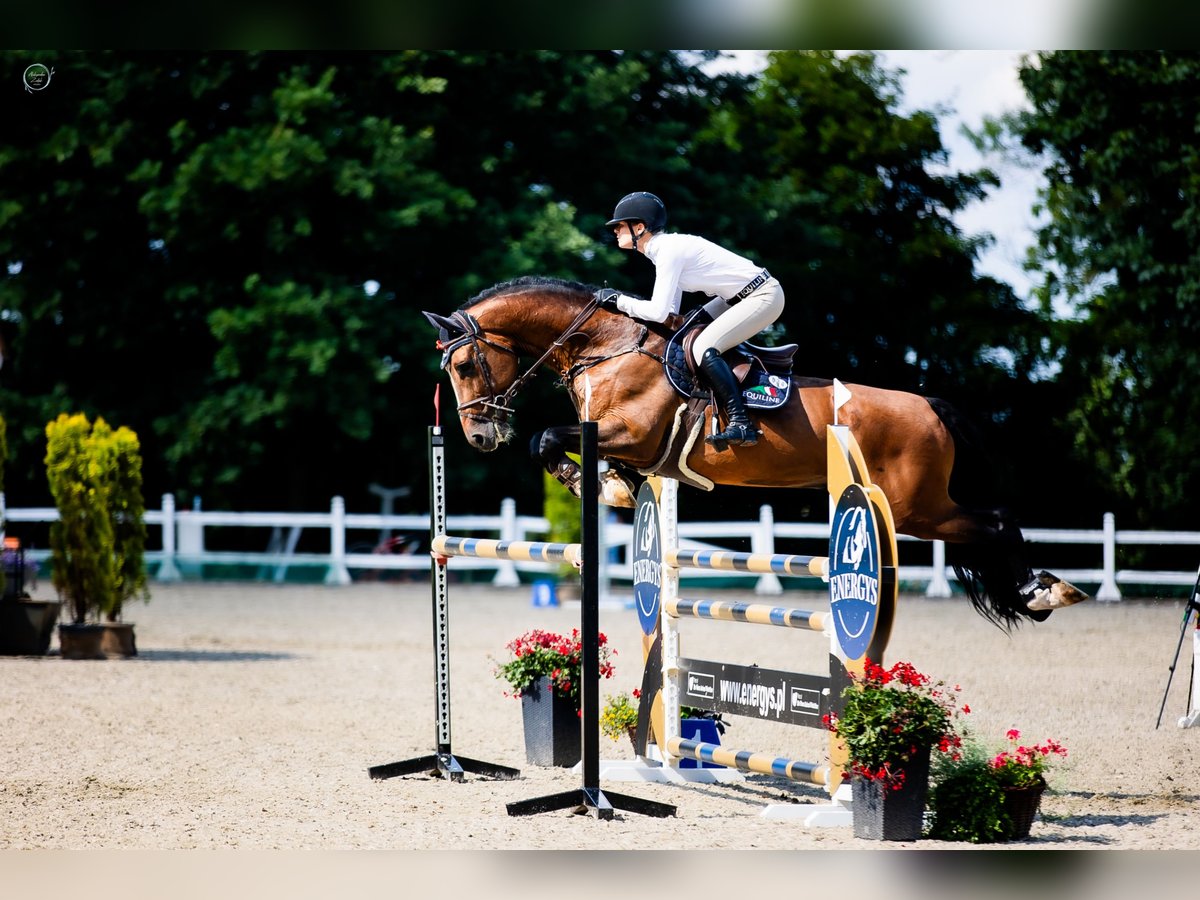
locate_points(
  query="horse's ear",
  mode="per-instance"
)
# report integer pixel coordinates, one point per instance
(447, 328)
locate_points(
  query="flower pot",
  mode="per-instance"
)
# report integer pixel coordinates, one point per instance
(1021, 804)
(118, 640)
(884, 813)
(26, 626)
(553, 731)
(81, 641)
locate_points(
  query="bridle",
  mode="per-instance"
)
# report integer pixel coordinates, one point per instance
(473, 334)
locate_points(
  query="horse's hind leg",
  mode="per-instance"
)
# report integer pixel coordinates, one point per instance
(550, 449)
(987, 552)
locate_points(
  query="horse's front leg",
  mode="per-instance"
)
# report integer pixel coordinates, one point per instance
(550, 449)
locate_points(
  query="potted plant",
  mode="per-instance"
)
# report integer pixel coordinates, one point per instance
(1020, 771)
(965, 800)
(619, 717)
(26, 625)
(891, 721)
(97, 543)
(544, 672)
(127, 508)
(984, 797)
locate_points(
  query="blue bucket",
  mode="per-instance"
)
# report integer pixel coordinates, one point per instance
(545, 593)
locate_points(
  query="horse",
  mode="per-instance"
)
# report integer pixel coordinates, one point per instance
(613, 367)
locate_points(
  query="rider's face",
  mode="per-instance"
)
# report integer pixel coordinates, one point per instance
(626, 239)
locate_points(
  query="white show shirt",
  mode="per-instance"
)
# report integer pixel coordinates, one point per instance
(685, 262)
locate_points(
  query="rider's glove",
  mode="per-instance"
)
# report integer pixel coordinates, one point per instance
(623, 302)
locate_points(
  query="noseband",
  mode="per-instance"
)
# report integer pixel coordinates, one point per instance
(473, 334)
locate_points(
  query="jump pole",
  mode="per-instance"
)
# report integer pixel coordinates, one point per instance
(442, 762)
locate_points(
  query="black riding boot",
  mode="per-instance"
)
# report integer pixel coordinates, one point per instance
(740, 429)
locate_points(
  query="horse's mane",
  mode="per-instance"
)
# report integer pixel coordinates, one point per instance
(555, 285)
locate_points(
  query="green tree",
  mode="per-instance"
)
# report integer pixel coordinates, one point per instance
(850, 211)
(849, 203)
(1117, 133)
(230, 251)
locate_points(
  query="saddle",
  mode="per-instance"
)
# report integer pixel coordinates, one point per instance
(764, 373)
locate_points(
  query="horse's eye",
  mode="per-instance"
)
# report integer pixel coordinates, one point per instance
(465, 368)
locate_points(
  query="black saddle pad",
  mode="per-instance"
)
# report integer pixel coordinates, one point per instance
(763, 387)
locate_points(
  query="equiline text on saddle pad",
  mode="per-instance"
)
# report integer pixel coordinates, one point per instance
(764, 373)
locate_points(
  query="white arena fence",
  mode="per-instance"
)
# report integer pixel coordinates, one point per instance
(355, 544)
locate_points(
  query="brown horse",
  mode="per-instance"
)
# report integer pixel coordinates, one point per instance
(613, 368)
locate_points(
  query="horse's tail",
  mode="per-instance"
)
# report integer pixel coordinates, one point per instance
(991, 566)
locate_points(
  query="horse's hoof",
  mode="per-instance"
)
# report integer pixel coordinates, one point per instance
(615, 490)
(1048, 591)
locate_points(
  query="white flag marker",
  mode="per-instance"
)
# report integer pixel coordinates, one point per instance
(841, 395)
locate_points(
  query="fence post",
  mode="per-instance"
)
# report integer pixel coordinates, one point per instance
(763, 541)
(338, 573)
(938, 585)
(190, 540)
(167, 570)
(506, 571)
(1108, 587)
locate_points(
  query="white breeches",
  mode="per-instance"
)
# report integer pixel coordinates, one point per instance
(740, 322)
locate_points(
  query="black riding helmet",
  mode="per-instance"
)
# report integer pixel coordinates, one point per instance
(640, 206)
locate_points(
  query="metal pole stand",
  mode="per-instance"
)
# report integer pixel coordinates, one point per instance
(590, 798)
(443, 762)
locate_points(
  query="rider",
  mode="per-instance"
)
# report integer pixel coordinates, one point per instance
(746, 299)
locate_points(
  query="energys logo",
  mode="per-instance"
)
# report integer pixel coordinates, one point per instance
(854, 576)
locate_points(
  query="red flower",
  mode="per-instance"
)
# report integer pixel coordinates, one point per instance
(539, 653)
(891, 715)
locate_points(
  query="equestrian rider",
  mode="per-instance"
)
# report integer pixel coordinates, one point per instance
(746, 299)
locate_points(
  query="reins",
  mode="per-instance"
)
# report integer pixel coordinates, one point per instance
(474, 335)
(571, 330)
